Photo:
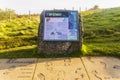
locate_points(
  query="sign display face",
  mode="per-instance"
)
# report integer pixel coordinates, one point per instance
(60, 26)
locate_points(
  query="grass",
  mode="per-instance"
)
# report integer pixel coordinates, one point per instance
(31, 52)
(24, 52)
(18, 38)
(102, 32)
(18, 33)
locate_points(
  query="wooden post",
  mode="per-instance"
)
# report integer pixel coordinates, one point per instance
(86, 9)
(29, 14)
(72, 8)
(9, 16)
(80, 9)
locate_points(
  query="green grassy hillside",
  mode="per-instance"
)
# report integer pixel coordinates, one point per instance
(18, 32)
(102, 32)
(18, 38)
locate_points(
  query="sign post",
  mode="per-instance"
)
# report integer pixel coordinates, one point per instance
(60, 32)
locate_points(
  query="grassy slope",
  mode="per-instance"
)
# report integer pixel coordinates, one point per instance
(18, 32)
(102, 32)
(101, 35)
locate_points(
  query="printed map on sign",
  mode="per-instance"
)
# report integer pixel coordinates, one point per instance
(56, 28)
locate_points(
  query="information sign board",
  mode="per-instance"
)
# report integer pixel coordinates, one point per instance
(61, 26)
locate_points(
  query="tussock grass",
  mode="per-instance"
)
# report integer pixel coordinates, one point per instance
(102, 32)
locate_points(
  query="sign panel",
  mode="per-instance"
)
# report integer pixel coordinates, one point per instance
(60, 26)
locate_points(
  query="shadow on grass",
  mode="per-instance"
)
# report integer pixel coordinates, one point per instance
(32, 53)
(100, 53)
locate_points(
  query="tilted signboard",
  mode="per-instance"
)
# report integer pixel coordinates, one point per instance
(60, 26)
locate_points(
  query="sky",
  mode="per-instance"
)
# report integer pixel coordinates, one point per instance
(36, 6)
